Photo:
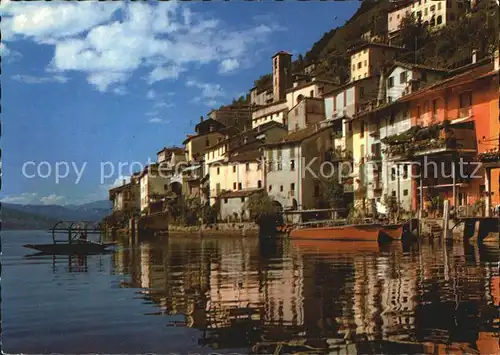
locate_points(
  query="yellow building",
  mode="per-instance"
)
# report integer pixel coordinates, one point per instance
(368, 59)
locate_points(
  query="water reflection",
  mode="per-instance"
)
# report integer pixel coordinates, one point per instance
(319, 298)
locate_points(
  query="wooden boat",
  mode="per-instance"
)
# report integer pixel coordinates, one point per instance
(362, 232)
(75, 247)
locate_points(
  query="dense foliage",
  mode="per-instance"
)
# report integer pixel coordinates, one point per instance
(452, 45)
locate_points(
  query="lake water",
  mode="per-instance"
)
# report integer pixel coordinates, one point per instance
(232, 295)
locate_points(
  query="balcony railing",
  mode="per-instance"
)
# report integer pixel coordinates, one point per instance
(464, 112)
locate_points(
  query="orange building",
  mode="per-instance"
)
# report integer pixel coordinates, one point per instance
(464, 110)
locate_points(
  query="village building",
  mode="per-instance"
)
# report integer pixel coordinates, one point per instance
(273, 108)
(370, 58)
(432, 13)
(126, 197)
(238, 115)
(378, 176)
(208, 132)
(288, 162)
(154, 183)
(305, 112)
(239, 154)
(461, 116)
(308, 87)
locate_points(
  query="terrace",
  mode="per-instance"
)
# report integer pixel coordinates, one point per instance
(435, 139)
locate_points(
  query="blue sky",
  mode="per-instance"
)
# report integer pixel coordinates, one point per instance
(89, 83)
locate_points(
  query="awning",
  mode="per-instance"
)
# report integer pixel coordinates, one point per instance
(191, 168)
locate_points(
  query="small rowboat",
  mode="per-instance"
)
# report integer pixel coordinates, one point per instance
(354, 233)
(75, 247)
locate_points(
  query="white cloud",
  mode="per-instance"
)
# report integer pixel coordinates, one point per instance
(211, 103)
(152, 113)
(31, 79)
(158, 120)
(108, 42)
(228, 65)
(7, 53)
(120, 90)
(162, 73)
(53, 199)
(103, 80)
(34, 198)
(207, 90)
(151, 94)
(161, 104)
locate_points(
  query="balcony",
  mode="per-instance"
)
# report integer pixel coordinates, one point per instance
(464, 112)
(436, 138)
(374, 157)
(377, 185)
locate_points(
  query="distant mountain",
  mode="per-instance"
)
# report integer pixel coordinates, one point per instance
(94, 211)
(14, 219)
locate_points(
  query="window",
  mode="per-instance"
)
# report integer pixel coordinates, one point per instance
(225, 200)
(405, 192)
(434, 107)
(460, 4)
(234, 186)
(439, 5)
(448, 4)
(292, 165)
(207, 142)
(247, 166)
(433, 8)
(359, 65)
(361, 92)
(393, 194)
(218, 171)
(234, 168)
(402, 78)
(465, 99)
(405, 171)
(316, 189)
(292, 189)
(362, 129)
(390, 82)
(270, 188)
(439, 20)
(239, 186)
(366, 63)
(393, 173)
(259, 184)
(452, 16)
(418, 111)
(389, 99)
(311, 93)
(242, 199)
(425, 11)
(281, 188)
(165, 187)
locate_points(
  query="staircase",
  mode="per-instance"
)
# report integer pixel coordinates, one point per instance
(433, 227)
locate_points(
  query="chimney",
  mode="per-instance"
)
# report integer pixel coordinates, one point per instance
(474, 56)
(496, 62)
(201, 119)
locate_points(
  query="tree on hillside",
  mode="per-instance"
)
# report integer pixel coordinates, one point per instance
(413, 36)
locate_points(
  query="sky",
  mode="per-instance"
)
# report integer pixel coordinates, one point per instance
(87, 86)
